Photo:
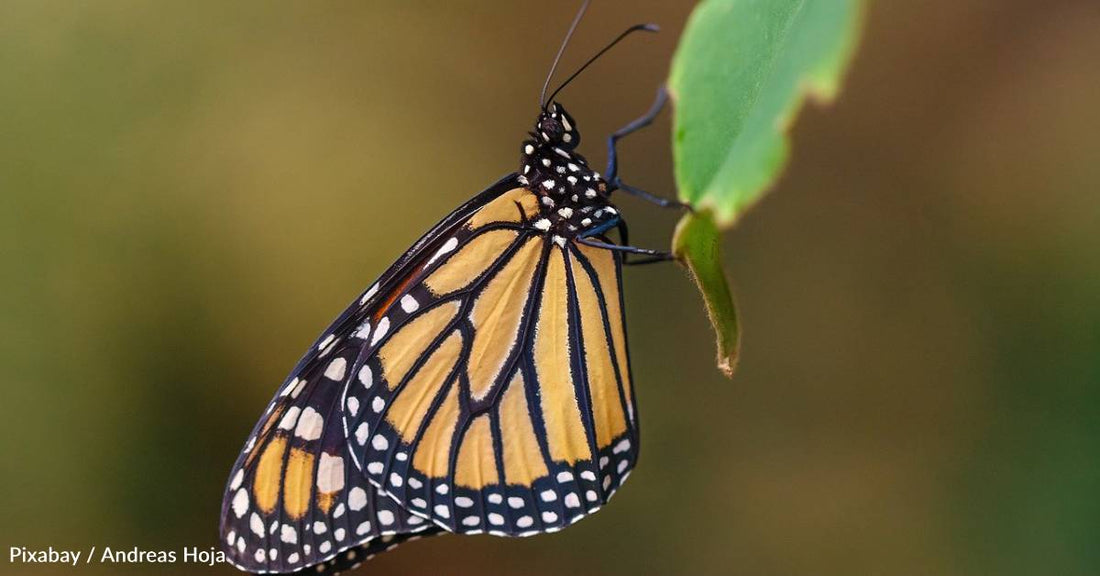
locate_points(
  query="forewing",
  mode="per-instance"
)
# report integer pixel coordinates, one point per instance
(507, 408)
(296, 499)
(295, 496)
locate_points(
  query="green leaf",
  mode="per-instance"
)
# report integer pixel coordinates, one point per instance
(739, 75)
(696, 244)
(741, 72)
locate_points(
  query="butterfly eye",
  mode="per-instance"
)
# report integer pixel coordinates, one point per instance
(551, 130)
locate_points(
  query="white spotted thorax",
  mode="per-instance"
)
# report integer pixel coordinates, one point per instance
(573, 198)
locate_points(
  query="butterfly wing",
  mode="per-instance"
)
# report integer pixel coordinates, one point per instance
(351, 558)
(499, 400)
(295, 496)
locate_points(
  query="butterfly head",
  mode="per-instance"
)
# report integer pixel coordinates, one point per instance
(555, 127)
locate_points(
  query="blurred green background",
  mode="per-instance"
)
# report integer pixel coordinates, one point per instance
(189, 192)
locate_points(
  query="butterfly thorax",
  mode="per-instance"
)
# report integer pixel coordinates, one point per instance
(573, 198)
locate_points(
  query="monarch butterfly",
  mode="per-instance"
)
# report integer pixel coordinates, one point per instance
(482, 384)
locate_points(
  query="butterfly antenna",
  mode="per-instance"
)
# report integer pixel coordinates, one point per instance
(561, 50)
(627, 32)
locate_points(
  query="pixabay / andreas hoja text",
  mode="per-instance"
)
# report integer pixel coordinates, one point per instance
(108, 555)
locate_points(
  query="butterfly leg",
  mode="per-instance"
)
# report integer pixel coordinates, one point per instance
(613, 155)
(612, 171)
(651, 198)
(651, 256)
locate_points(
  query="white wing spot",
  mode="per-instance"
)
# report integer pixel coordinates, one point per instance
(370, 294)
(366, 377)
(353, 405)
(409, 304)
(256, 524)
(357, 499)
(237, 479)
(548, 495)
(290, 418)
(319, 527)
(515, 502)
(380, 332)
(310, 425)
(361, 433)
(495, 499)
(549, 517)
(396, 480)
(240, 503)
(463, 502)
(572, 501)
(378, 404)
(363, 332)
(565, 476)
(442, 511)
(445, 249)
(385, 517)
(362, 528)
(471, 521)
(330, 473)
(379, 442)
(525, 521)
(496, 519)
(375, 467)
(336, 369)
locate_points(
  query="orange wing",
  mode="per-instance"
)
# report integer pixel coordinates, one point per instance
(503, 403)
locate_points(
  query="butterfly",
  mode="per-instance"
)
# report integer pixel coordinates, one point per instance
(481, 385)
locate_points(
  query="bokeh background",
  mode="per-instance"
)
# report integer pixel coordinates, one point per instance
(190, 191)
